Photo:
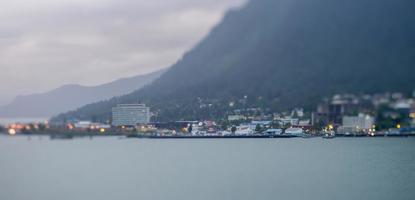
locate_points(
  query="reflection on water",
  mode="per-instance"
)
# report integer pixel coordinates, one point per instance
(38, 168)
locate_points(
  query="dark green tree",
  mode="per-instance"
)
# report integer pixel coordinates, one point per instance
(233, 129)
(258, 128)
(190, 129)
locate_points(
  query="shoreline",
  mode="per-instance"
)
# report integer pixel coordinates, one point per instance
(70, 135)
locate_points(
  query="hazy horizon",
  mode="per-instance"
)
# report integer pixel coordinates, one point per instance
(47, 44)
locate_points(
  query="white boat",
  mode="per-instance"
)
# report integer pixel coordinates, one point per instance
(329, 135)
(294, 131)
(273, 131)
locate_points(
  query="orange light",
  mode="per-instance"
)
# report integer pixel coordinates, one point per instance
(70, 126)
(102, 130)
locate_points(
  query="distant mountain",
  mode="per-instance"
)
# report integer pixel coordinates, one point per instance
(281, 54)
(69, 97)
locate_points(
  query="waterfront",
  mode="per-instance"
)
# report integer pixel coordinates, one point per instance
(38, 168)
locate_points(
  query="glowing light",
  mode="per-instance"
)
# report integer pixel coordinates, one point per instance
(102, 130)
(331, 127)
(398, 126)
(12, 131)
(70, 126)
(412, 115)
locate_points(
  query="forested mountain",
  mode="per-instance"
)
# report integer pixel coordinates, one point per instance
(69, 97)
(281, 54)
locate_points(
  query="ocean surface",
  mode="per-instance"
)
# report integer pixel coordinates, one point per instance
(113, 168)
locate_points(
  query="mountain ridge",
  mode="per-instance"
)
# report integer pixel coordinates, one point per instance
(71, 96)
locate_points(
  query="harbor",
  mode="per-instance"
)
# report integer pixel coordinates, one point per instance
(342, 115)
(61, 133)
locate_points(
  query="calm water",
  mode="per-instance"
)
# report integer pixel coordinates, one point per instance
(122, 169)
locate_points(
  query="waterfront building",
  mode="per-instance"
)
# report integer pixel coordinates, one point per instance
(332, 111)
(82, 124)
(294, 131)
(261, 123)
(235, 117)
(130, 114)
(305, 124)
(90, 125)
(244, 130)
(287, 120)
(358, 123)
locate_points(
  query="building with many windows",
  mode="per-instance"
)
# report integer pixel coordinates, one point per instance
(130, 114)
(358, 123)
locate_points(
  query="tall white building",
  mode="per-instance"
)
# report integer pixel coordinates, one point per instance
(361, 122)
(130, 114)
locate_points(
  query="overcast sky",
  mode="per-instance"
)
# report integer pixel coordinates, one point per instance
(47, 43)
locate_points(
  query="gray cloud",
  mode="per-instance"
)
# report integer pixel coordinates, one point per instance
(47, 43)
